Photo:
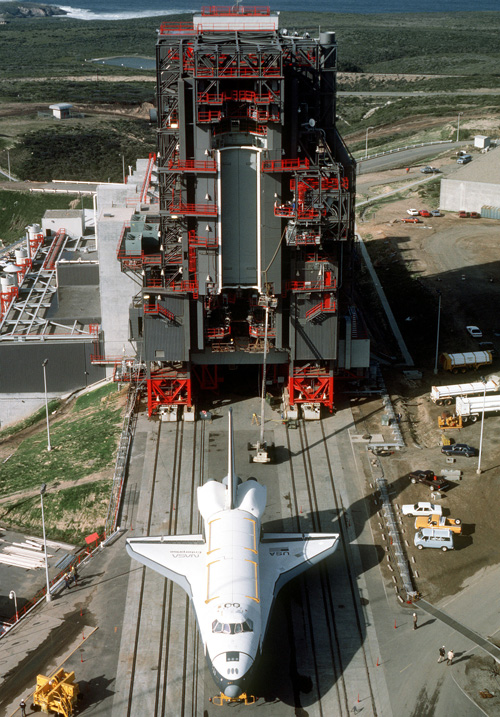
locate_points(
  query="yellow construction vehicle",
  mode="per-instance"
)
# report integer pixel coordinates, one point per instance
(57, 693)
(223, 699)
(449, 420)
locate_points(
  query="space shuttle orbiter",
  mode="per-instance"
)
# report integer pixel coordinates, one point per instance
(232, 573)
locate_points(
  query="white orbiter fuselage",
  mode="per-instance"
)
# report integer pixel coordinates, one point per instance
(232, 573)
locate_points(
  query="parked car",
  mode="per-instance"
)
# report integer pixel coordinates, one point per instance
(475, 215)
(429, 478)
(424, 213)
(422, 508)
(488, 346)
(463, 215)
(412, 212)
(459, 449)
(474, 331)
(429, 170)
(434, 538)
(411, 220)
(439, 521)
(436, 213)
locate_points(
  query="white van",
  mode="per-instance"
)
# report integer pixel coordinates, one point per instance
(434, 538)
(464, 159)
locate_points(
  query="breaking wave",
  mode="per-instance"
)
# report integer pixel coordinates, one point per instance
(84, 14)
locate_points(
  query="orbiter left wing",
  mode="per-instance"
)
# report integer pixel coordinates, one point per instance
(180, 558)
(283, 556)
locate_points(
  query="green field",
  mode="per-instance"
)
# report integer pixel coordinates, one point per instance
(84, 442)
(18, 209)
(46, 60)
(456, 43)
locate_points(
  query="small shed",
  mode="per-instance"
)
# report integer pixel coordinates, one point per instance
(481, 141)
(61, 110)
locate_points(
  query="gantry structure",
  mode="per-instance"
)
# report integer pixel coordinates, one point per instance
(249, 250)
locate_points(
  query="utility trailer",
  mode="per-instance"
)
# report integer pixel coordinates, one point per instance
(460, 363)
(445, 395)
(470, 408)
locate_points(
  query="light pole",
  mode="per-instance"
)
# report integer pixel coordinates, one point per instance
(44, 365)
(8, 165)
(123, 166)
(48, 596)
(437, 333)
(12, 596)
(482, 428)
(366, 141)
(458, 125)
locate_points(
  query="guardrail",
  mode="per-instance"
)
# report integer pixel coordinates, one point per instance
(401, 149)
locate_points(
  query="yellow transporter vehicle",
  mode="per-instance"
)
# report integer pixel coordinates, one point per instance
(57, 693)
(439, 521)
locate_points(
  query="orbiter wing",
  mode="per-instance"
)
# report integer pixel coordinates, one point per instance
(283, 556)
(180, 558)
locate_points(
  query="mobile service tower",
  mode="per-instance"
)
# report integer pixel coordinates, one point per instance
(250, 248)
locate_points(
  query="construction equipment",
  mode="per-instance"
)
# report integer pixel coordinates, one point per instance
(460, 363)
(57, 693)
(449, 420)
(445, 395)
(223, 699)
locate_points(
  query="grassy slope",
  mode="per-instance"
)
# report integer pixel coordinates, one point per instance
(18, 209)
(456, 43)
(83, 445)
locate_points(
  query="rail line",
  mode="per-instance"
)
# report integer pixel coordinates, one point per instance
(163, 609)
(324, 622)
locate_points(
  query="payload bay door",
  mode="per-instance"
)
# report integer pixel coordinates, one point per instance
(239, 218)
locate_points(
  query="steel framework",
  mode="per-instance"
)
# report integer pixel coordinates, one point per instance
(232, 80)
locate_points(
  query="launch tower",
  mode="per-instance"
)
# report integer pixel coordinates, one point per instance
(250, 249)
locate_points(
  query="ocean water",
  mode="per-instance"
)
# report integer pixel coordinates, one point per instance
(126, 9)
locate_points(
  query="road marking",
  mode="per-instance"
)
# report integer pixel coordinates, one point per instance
(405, 668)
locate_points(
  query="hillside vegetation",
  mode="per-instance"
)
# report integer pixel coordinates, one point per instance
(78, 471)
(18, 209)
(450, 43)
(46, 60)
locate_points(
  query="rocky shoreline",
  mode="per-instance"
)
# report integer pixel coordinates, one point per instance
(13, 10)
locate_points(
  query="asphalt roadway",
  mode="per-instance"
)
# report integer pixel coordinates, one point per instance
(406, 679)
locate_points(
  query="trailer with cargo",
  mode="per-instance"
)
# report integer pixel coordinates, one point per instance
(468, 409)
(460, 363)
(445, 395)
(471, 407)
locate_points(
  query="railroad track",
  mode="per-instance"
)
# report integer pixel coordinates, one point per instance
(316, 505)
(314, 659)
(165, 661)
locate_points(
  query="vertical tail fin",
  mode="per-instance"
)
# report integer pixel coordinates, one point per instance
(232, 479)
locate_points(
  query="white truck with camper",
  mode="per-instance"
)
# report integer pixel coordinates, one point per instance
(445, 395)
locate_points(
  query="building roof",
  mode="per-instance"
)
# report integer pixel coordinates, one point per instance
(61, 106)
(63, 214)
(484, 168)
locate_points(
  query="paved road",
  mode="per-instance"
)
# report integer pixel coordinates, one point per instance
(418, 93)
(405, 158)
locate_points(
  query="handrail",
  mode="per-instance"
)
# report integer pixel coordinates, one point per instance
(401, 149)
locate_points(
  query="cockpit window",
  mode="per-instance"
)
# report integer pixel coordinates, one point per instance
(234, 628)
